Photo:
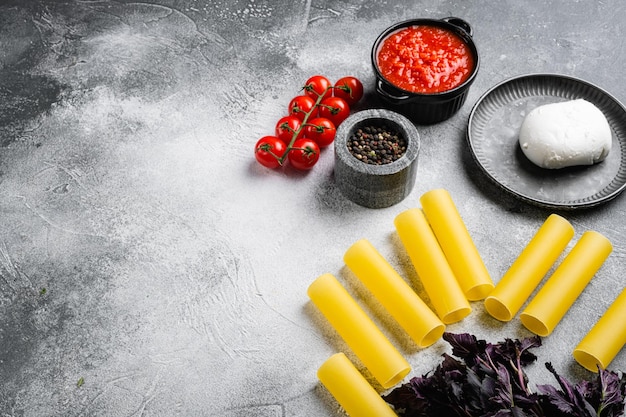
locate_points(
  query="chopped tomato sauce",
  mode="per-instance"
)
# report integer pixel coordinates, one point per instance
(425, 59)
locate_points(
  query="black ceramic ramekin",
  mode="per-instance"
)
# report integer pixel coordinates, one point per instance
(420, 108)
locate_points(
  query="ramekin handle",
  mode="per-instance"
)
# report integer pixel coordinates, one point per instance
(457, 21)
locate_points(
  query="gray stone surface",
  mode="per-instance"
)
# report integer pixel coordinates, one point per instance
(144, 252)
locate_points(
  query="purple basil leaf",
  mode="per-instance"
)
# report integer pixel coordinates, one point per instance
(489, 381)
(557, 399)
(510, 412)
(611, 388)
(465, 346)
(526, 356)
(504, 392)
(502, 413)
(406, 398)
(452, 367)
(478, 391)
(568, 399)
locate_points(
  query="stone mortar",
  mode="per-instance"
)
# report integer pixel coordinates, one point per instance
(376, 186)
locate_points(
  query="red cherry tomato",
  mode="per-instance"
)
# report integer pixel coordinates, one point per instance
(348, 88)
(299, 106)
(304, 154)
(335, 109)
(321, 130)
(286, 126)
(268, 151)
(316, 86)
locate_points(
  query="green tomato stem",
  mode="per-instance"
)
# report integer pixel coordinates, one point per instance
(304, 123)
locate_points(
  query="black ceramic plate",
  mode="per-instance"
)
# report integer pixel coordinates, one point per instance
(492, 134)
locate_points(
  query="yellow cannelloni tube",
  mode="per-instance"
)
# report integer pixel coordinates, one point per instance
(431, 266)
(569, 280)
(351, 389)
(359, 332)
(533, 263)
(398, 298)
(605, 339)
(457, 244)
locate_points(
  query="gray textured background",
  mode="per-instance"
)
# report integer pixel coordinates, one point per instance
(174, 266)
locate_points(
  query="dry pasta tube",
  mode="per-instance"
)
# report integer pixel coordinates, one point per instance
(398, 298)
(351, 389)
(569, 280)
(533, 263)
(431, 266)
(457, 244)
(605, 339)
(367, 342)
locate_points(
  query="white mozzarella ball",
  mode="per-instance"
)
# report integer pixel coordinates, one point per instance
(565, 134)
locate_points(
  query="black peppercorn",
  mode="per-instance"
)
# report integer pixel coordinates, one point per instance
(377, 145)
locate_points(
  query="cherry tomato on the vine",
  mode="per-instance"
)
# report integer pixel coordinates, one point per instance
(348, 88)
(304, 154)
(321, 130)
(335, 109)
(268, 151)
(299, 106)
(318, 85)
(286, 126)
(311, 123)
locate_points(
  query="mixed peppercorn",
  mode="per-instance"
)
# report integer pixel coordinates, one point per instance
(377, 145)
